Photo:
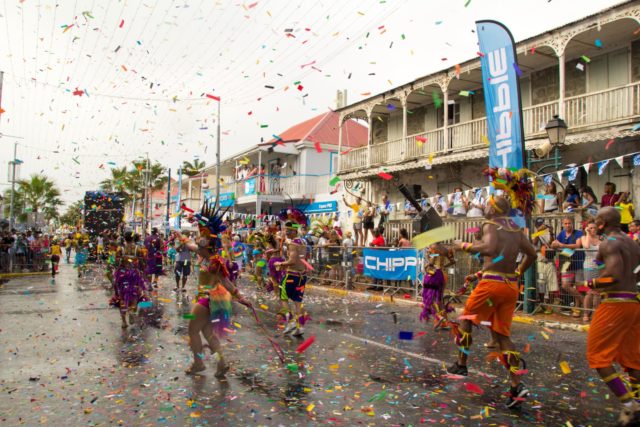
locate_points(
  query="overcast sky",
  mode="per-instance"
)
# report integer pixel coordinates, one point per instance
(141, 70)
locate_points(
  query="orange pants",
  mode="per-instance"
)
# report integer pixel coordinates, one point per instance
(493, 301)
(614, 335)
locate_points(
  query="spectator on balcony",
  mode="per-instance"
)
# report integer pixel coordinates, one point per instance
(589, 202)
(409, 210)
(626, 209)
(589, 243)
(610, 197)
(384, 210)
(441, 205)
(571, 199)
(276, 168)
(460, 203)
(552, 199)
(357, 210)
(477, 204)
(368, 219)
(571, 268)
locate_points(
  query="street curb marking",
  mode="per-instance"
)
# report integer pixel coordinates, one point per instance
(552, 325)
(34, 273)
(368, 296)
(409, 353)
(379, 298)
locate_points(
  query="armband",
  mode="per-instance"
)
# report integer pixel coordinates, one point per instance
(466, 247)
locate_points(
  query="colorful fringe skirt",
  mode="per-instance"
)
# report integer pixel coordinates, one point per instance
(219, 304)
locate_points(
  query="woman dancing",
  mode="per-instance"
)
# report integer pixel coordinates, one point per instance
(129, 283)
(211, 313)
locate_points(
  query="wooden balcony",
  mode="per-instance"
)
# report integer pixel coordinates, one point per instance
(582, 113)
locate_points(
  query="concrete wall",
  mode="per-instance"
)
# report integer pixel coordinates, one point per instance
(313, 163)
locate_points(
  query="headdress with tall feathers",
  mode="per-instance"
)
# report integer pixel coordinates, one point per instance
(208, 218)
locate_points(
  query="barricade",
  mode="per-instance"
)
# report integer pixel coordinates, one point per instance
(559, 283)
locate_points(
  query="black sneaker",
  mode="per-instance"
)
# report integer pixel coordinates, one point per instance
(457, 369)
(516, 396)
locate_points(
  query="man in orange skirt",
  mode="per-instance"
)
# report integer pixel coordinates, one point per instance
(494, 299)
(614, 334)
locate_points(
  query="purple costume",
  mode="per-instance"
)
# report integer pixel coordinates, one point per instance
(432, 292)
(278, 275)
(130, 285)
(153, 244)
(234, 270)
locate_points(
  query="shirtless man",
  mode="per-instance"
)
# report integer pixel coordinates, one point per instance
(614, 335)
(295, 278)
(494, 298)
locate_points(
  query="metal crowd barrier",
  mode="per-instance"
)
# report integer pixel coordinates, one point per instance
(559, 285)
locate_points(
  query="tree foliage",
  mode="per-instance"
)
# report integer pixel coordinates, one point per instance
(73, 214)
(194, 168)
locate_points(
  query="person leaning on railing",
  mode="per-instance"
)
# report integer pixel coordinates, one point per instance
(547, 283)
(590, 243)
(571, 273)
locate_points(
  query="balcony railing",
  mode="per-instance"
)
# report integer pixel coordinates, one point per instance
(295, 186)
(595, 109)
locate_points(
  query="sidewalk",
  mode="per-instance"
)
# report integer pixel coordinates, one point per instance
(551, 321)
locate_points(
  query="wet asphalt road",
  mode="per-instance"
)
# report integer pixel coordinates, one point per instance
(65, 361)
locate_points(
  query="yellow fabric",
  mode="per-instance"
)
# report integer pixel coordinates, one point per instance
(356, 208)
(55, 250)
(625, 212)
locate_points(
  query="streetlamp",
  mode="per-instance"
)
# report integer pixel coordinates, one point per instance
(556, 130)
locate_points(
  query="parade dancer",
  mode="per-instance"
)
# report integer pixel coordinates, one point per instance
(434, 284)
(211, 313)
(494, 298)
(154, 245)
(82, 253)
(129, 282)
(614, 334)
(56, 253)
(295, 278)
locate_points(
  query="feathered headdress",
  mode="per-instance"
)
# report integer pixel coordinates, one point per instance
(209, 219)
(520, 185)
(293, 214)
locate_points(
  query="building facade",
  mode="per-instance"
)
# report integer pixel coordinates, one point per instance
(432, 133)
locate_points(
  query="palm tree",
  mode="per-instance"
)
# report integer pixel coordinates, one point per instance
(40, 195)
(129, 183)
(18, 205)
(194, 168)
(73, 214)
(118, 180)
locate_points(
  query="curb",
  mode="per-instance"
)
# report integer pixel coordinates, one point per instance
(527, 320)
(33, 273)
(389, 299)
(551, 324)
(366, 295)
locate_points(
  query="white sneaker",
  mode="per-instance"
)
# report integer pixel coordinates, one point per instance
(290, 327)
(299, 331)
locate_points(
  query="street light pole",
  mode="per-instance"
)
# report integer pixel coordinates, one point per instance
(146, 176)
(218, 161)
(13, 186)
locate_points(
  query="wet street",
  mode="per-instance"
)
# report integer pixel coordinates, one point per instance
(66, 361)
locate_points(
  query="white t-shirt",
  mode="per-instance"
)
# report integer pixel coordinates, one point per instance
(458, 205)
(475, 211)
